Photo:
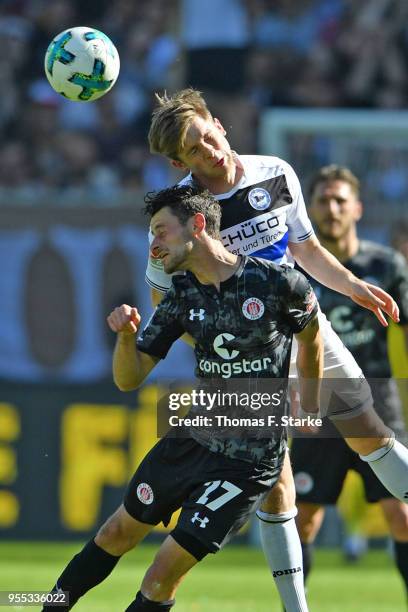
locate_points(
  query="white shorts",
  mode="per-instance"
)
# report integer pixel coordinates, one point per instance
(339, 364)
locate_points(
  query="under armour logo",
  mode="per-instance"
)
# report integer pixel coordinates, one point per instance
(196, 313)
(203, 521)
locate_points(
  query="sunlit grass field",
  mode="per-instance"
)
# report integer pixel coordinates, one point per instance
(234, 580)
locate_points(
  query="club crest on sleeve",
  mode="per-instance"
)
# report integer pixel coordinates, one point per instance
(310, 301)
(144, 493)
(259, 198)
(253, 308)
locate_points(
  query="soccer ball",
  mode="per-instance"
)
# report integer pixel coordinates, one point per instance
(82, 64)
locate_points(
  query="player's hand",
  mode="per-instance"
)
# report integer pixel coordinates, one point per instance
(124, 319)
(375, 299)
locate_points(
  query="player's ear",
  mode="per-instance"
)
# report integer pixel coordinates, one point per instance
(178, 164)
(358, 211)
(219, 126)
(198, 224)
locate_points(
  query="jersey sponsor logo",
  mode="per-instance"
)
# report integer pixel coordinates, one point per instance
(286, 572)
(259, 198)
(303, 483)
(254, 234)
(253, 308)
(196, 313)
(144, 493)
(221, 348)
(226, 370)
(203, 521)
(341, 318)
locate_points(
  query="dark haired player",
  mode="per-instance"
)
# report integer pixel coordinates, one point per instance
(335, 209)
(216, 480)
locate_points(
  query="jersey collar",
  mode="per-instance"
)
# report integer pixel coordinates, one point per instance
(224, 284)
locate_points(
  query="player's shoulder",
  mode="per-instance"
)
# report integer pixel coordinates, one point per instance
(262, 266)
(259, 168)
(377, 251)
(267, 162)
(283, 274)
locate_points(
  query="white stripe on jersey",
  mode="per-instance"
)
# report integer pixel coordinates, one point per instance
(267, 232)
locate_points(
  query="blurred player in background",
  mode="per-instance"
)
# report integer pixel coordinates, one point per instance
(335, 209)
(399, 237)
(264, 215)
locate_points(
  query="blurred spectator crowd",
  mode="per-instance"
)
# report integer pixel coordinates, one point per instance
(245, 55)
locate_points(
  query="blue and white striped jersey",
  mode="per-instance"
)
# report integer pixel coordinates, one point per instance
(260, 215)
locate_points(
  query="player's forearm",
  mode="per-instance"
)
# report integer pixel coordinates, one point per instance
(128, 366)
(310, 368)
(317, 261)
(310, 374)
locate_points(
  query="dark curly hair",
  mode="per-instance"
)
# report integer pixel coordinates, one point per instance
(184, 202)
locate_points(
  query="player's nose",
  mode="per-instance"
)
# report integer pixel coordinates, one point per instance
(208, 151)
(333, 206)
(155, 249)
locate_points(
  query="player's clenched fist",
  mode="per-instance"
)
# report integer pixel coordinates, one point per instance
(124, 319)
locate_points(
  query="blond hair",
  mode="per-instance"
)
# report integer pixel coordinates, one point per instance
(172, 118)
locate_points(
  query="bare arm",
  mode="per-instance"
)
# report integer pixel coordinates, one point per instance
(326, 269)
(310, 365)
(156, 297)
(130, 366)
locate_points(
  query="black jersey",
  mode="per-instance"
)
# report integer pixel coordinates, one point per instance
(357, 327)
(244, 330)
(360, 330)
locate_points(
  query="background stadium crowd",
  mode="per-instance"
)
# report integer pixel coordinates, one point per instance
(312, 53)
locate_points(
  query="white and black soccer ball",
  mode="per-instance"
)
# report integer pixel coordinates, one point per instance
(82, 64)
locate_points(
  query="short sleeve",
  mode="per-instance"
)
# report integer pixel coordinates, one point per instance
(156, 277)
(299, 225)
(163, 328)
(299, 301)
